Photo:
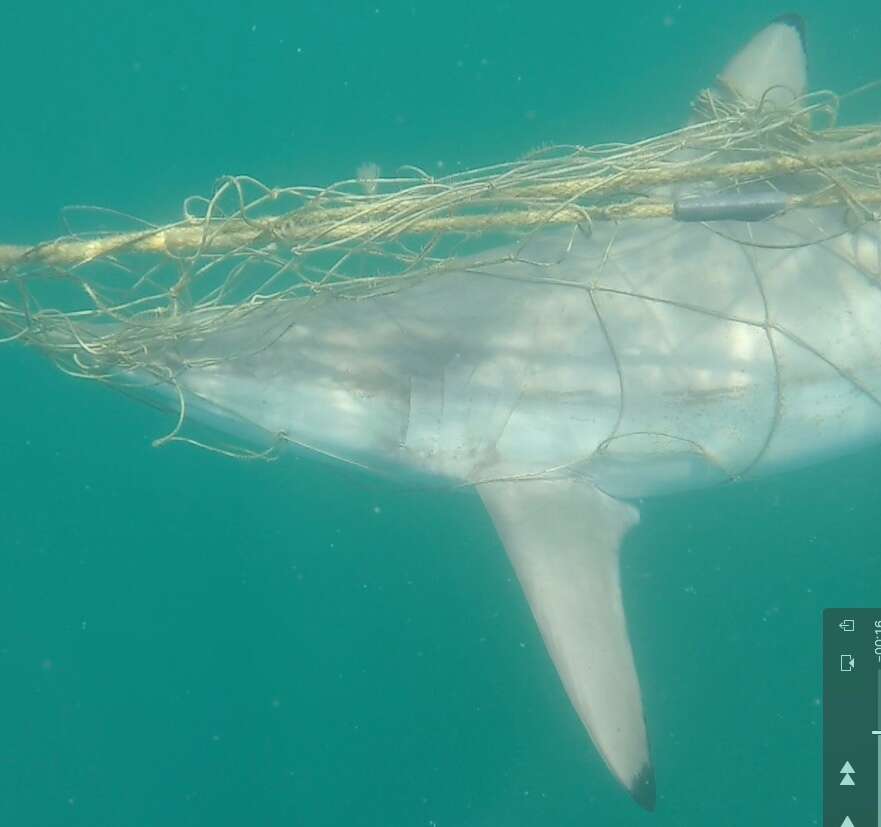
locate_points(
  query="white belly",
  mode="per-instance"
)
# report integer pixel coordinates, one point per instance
(649, 357)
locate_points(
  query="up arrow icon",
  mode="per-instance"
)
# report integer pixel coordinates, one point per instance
(847, 822)
(847, 781)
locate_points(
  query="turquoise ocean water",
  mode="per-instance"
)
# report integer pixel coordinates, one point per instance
(190, 640)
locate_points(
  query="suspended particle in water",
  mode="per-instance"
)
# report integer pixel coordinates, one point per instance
(368, 176)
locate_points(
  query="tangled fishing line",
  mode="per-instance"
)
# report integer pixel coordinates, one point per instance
(111, 305)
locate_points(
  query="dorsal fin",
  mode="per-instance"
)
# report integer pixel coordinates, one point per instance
(773, 66)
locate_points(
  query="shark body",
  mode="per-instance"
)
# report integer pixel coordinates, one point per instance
(581, 370)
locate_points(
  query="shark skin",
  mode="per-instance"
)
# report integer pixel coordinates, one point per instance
(577, 371)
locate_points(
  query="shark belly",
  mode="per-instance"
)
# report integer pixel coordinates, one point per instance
(643, 358)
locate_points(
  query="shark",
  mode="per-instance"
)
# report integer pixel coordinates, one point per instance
(567, 377)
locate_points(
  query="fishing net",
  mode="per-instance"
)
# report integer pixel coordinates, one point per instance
(110, 304)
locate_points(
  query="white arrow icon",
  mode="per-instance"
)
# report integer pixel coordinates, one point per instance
(847, 771)
(847, 822)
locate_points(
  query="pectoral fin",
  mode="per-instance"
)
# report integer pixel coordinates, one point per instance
(563, 538)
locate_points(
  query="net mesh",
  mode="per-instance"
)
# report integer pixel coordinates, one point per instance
(107, 304)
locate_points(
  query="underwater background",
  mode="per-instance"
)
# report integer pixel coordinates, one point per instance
(190, 640)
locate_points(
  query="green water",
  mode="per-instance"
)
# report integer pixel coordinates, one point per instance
(188, 640)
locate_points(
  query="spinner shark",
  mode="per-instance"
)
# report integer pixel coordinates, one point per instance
(578, 372)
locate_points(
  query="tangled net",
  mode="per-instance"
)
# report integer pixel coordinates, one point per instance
(106, 305)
